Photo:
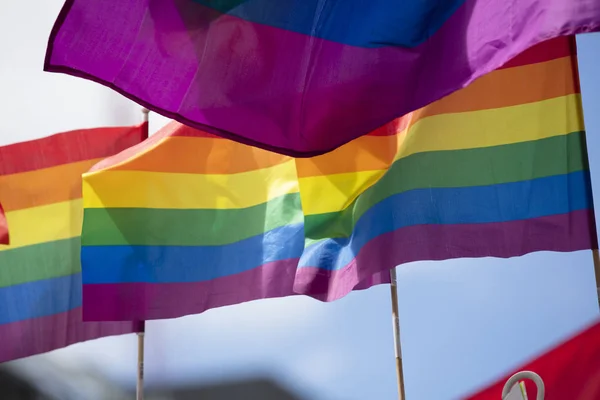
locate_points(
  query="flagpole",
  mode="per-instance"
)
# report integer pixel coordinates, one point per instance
(596, 258)
(139, 389)
(397, 343)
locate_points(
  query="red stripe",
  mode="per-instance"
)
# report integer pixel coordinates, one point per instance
(549, 50)
(68, 147)
(3, 227)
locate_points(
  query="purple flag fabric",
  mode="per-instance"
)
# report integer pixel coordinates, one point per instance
(299, 77)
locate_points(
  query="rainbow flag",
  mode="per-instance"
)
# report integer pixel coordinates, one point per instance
(497, 169)
(3, 227)
(187, 221)
(40, 271)
(299, 77)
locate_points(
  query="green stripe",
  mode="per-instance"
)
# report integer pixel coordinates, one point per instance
(189, 227)
(39, 261)
(457, 168)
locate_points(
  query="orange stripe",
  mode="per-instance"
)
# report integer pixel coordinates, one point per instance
(43, 186)
(534, 83)
(201, 155)
(510, 87)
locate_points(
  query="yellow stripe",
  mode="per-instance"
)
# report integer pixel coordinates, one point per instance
(44, 223)
(447, 132)
(132, 189)
(493, 127)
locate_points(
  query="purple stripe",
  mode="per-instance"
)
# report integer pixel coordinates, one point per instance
(126, 301)
(121, 302)
(40, 335)
(566, 232)
(285, 91)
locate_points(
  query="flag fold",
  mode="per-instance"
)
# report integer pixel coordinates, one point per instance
(299, 77)
(188, 221)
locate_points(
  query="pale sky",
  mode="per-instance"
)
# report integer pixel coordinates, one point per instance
(464, 322)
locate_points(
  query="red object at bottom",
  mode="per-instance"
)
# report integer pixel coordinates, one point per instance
(571, 371)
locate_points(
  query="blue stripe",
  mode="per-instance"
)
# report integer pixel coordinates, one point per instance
(39, 298)
(364, 23)
(541, 197)
(113, 264)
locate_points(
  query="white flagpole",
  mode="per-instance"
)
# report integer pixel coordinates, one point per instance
(397, 343)
(139, 390)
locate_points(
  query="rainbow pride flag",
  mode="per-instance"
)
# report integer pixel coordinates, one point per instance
(299, 77)
(40, 271)
(497, 169)
(187, 221)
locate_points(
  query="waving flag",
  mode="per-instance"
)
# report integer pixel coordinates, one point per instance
(187, 221)
(497, 169)
(40, 271)
(299, 77)
(570, 370)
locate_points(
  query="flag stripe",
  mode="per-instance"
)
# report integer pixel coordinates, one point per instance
(61, 221)
(544, 51)
(531, 78)
(172, 300)
(161, 190)
(40, 261)
(528, 199)
(67, 147)
(413, 22)
(565, 232)
(147, 226)
(23, 338)
(485, 128)
(511, 86)
(206, 158)
(52, 296)
(40, 277)
(43, 187)
(469, 205)
(442, 169)
(181, 263)
(296, 115)
(120, 226)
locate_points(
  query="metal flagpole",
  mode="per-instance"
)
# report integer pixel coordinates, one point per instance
(139, 389)
(397, 343)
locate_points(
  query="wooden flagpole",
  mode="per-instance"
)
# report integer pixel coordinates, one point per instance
(397, 343)
(139, 389)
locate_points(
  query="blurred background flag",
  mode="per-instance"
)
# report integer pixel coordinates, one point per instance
(570, 370)
(40, 274)
(299, 77)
